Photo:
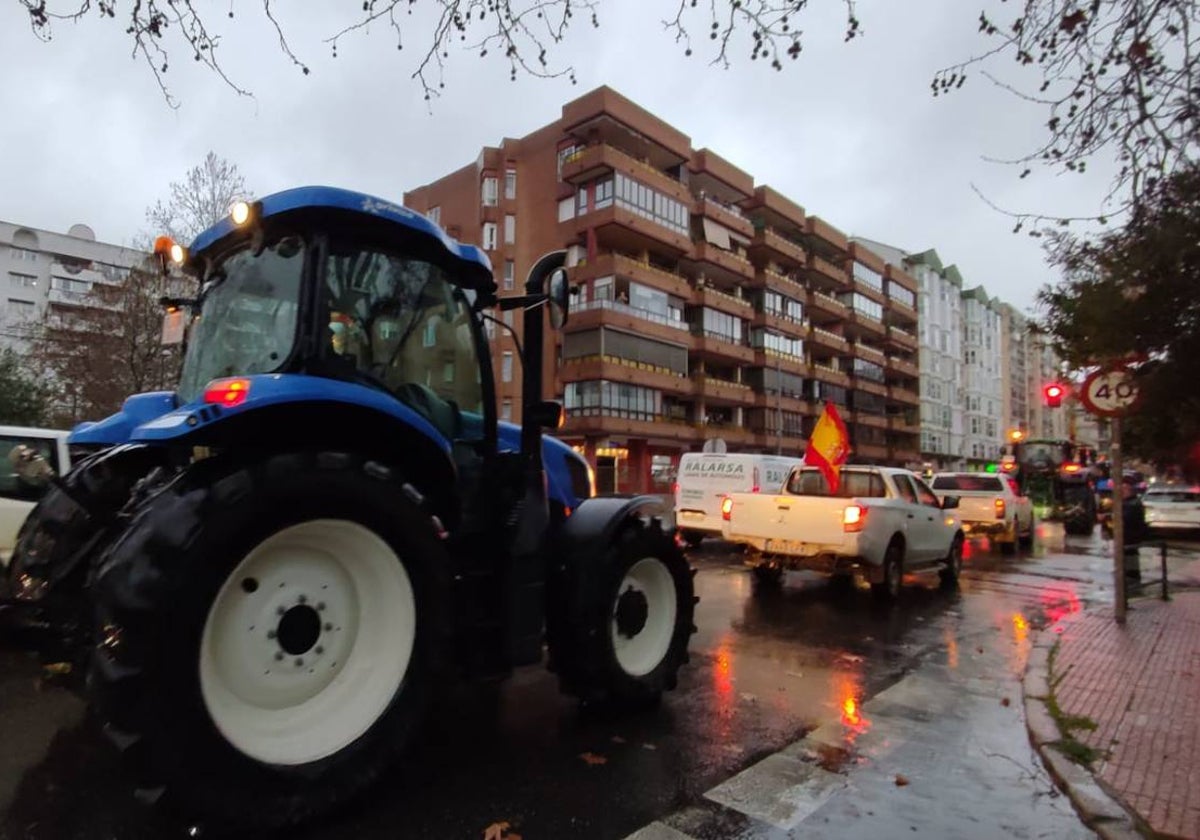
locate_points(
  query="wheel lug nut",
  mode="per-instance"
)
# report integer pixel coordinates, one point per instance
(320, 650)
(278, 656)
(271, 634)
(320, 606)
(299, 662)
(328, 626)
(302, 599)
(280, 610)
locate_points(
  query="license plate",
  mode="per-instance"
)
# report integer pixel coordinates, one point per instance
(691, 514)
(786, 547)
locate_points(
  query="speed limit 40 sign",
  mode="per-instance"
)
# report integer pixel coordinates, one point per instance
(1111, 392)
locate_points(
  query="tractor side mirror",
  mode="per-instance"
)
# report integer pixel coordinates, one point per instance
(559, 298)
(547, 414)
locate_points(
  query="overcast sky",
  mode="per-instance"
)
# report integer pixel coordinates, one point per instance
(849, 131)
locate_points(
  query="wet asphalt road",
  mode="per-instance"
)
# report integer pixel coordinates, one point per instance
(891, 721)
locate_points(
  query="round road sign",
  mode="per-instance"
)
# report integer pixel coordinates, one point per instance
(1111, 392)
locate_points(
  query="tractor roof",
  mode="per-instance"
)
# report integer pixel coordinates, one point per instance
(333, 198)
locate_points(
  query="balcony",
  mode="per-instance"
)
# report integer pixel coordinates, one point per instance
(903, 425)
(739, 267)
(773, 245)
(902, 312)
(902, 338)
(722, 301)
(771, 359)
(731, 219)
(593, 161)
(612, 313)
(621, 229)
(878, 421)
(826, 307)
(859, 324)
(721, 348)
(825, 338)
(790, 328)
(832, 375)
(660, 429)
(775, 402)
(722, 390)
(906, 455)
(825, 272)
(872, 451)
(903, 395)
(871, 354)
(80, 300)
(902, 366)
(870, 386)
(622, 265)
(616, 369)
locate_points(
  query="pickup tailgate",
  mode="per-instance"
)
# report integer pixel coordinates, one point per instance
(786, 524)
(975, 505)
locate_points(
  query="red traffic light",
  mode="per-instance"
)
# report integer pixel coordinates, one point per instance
(1053, 394)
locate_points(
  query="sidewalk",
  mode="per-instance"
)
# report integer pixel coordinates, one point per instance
(1123, 701)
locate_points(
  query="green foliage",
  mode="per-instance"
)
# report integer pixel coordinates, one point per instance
(23, 399)
(1135, 294)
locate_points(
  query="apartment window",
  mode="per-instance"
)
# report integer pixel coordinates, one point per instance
(448, 372)
(488, 193)
(510, 184)
(900, 294)
(508, 318)
(613, 399)
(510, 273)
(627, 347)
(510, 229)
(566, 209)
(21, 310)
(22, 254)
(864, 369)
(862, 305)
(604, 194)
(489, 236)
(775, 343)
(506, 366)
(506, 410)
(21, 281)
(65, 284)
(489, 327)
(868, 276)
(434, 215)
(649, 204)
(722, 325)
(564, 155)
(429, 337)
(602, 288)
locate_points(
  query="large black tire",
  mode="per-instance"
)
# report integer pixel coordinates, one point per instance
(952, 570)
(1026, 541)
(1079, 526)
(887, 590)
(766, 578)
(1009, 547)
(595, 618)
(154, 592)
(692, 538)
(66, 531)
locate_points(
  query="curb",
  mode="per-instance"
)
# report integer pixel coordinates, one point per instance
(1100, 810)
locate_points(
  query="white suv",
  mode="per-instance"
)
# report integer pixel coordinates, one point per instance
(28, 459)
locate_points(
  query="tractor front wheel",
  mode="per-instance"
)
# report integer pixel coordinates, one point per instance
(268, 636)
(626, 636)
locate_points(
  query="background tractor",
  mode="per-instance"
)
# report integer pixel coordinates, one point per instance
(267, 574)
(1057, 476)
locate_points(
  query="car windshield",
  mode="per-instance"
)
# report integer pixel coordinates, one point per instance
(402, 324)
(247, 319)
(968, 483)
(1042, 455)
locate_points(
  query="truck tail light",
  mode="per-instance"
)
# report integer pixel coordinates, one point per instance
(1000, 508)
(853, 517)
(727, 509)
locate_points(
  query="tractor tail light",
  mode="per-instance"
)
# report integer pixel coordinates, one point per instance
(853, 517)
(1000, 508)
(727, 509)
(227, 392)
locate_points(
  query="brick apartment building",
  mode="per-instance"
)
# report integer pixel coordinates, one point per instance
(707, 306)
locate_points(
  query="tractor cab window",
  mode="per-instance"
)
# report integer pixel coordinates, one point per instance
(247, 319)
(403, 325)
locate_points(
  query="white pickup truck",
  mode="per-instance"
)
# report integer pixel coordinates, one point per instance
(882, 523)
(990, 505)
(24, 479)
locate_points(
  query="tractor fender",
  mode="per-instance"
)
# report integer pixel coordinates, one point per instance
(586, 534)
(117, 428)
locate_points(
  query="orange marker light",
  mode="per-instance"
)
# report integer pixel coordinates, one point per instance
(227, 392)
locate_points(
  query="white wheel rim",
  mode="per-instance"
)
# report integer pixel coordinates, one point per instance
(641, 653)
(318, 698)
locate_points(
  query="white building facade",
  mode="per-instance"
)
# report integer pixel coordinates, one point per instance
(42, 271)
(983, 399)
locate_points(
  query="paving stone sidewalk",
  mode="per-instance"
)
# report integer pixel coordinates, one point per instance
(1140, 685)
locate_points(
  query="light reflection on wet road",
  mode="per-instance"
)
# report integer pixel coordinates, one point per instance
(920, 683)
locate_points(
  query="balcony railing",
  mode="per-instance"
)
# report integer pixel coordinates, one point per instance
(903, 334)
(703, 292)
(626, 309)
(830, 336)
(867, 351)
(830, 300)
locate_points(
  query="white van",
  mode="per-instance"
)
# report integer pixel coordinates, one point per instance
(21, 489)
(705, 478)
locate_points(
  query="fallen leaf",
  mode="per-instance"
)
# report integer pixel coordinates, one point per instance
(793, 674)
(617, 739)
(748, 697)
(1005, 701)
(496, 831)
(901, 780)
(593, 758)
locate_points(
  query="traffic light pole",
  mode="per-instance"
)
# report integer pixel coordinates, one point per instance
(1118, 522)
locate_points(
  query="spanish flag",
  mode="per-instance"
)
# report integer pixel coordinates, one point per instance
(828, 446)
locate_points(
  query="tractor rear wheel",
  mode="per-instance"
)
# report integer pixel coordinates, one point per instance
(268, 636)
(627, 628)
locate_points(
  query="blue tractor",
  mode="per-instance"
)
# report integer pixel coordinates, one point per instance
(269, 573)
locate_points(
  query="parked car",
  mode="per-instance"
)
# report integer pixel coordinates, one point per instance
(705, 478)
(29, 458)
(990, 505)
(881, 523)
(1172, 507)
